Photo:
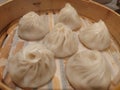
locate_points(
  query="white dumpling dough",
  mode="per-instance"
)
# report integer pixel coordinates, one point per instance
(62, 41)
(113, 59)
(33, 66)
(95, 36)
(32, 26)
(85, 22)
(69, 16)
(87, 70)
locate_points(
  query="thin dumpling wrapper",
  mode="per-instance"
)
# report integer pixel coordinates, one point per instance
(33, 66)
(69, 16)
(33, 27)
(87, 70)
(113, 59)
(95, 36)
(62, 41)
(85, 22)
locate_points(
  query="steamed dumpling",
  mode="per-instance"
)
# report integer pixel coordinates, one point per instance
(32, 26)
(113, 59)
(69, 16)
(87, 70)
(33, 66)
(95, 36)
(62, 41)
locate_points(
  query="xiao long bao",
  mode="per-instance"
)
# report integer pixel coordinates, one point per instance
(88, 70)
(32, 27)
(69, 16)
(33, 66)
(62, 41)
(95, 36)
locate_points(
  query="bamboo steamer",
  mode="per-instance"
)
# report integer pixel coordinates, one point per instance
(12, 10)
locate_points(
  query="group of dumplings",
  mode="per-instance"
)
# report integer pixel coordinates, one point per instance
(34, 65)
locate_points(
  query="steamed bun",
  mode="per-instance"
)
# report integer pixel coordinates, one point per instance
(88, 70)
(69, 16)
(62, 41)
(95, 36)
(33, 66)
(32, 27)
